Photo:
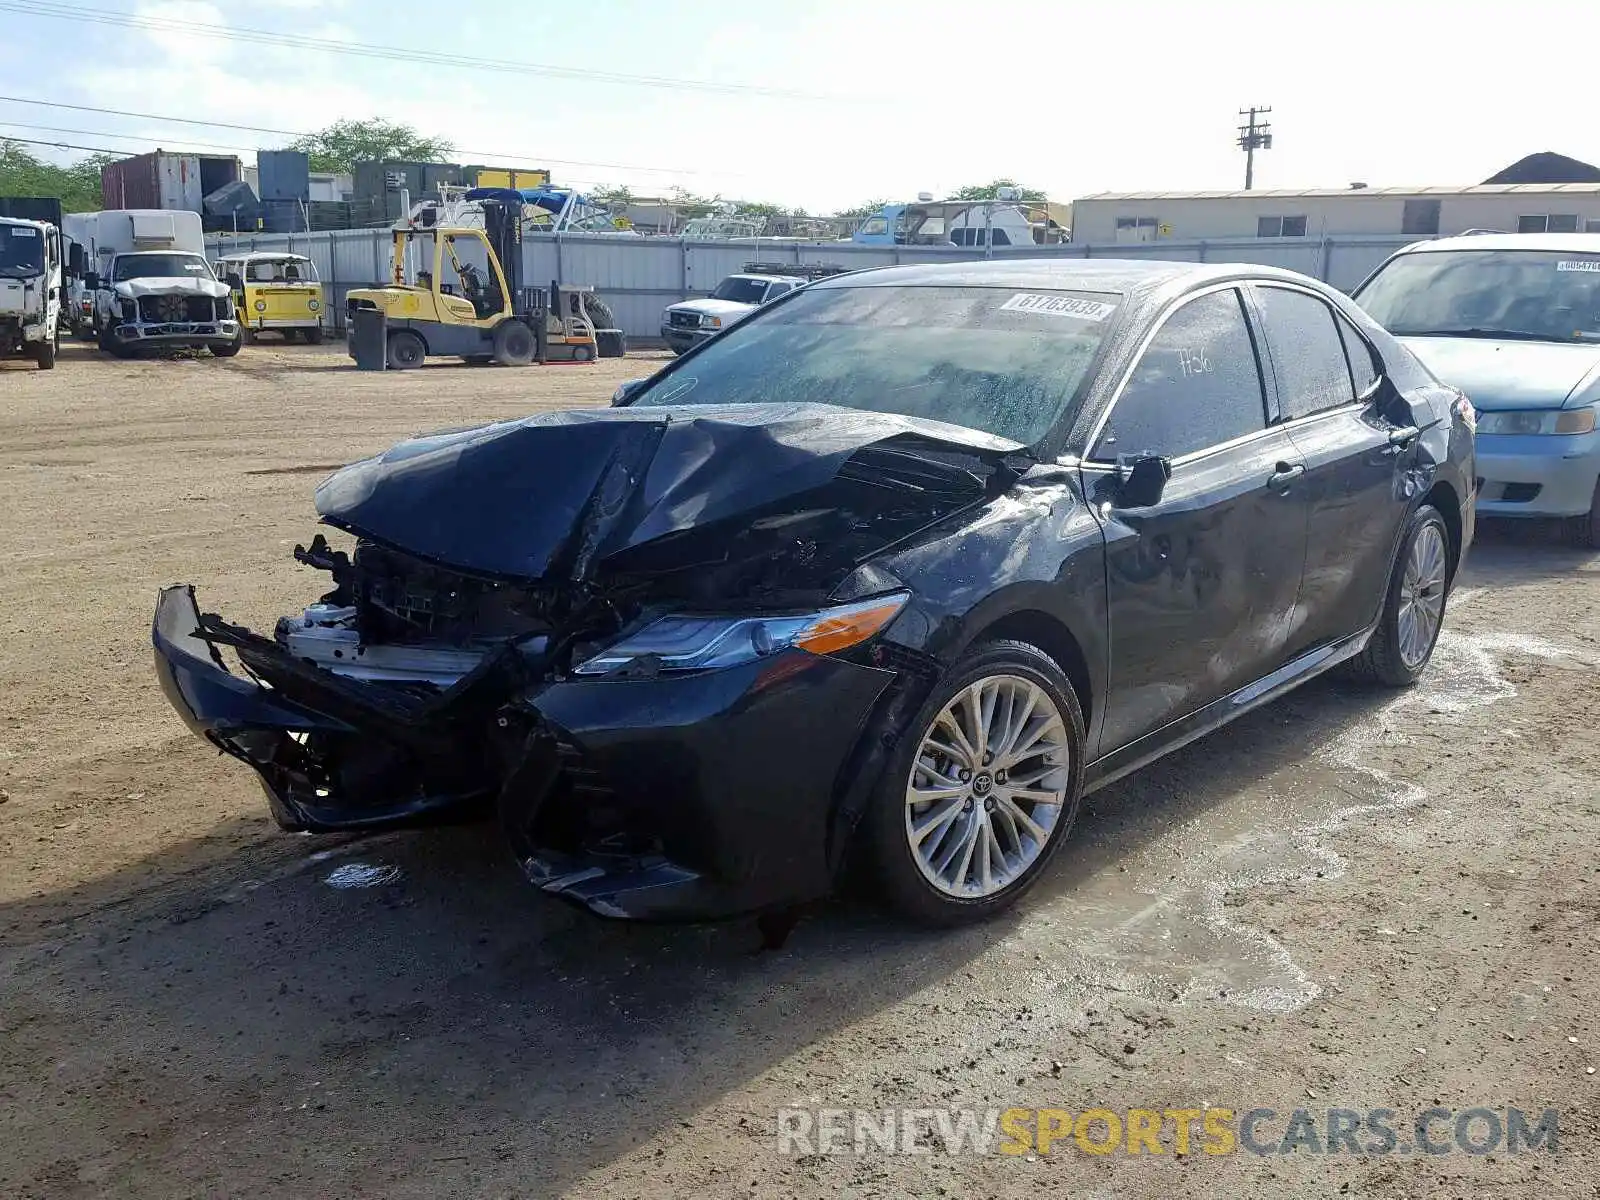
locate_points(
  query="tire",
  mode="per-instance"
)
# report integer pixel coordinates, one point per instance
(1584, 531)
(113, 345)
(44, 354)
(1399, 652)
(1013, 673)
(513, 344)
(406, 350)
(611, 344)
(313, 335)
(229, 349)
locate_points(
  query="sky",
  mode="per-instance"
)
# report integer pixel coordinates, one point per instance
(825, 104)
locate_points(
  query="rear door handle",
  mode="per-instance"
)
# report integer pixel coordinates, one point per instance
(1286, 474)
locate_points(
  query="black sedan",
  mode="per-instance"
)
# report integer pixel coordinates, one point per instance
(892, 572)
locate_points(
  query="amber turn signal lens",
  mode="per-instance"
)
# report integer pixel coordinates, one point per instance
(850, 625)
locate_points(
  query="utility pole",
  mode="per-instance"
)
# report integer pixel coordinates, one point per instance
(1254, 135)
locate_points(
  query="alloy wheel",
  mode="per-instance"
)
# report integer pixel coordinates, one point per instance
(987, 787)
(1422, 593)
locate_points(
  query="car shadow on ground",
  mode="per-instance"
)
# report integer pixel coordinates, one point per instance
(324, 1033)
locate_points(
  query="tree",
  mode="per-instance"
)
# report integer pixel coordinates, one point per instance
(986, 191)
(76, 185)
(861, 210)
(344, 143)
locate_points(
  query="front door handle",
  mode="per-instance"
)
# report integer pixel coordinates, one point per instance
(1286, 474)
(1402, 437)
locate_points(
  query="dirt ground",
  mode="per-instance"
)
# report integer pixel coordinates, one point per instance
(1347, 899)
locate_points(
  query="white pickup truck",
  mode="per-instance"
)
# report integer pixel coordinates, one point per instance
(689, 322)
(30, 290)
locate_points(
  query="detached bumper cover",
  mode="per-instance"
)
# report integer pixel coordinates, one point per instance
(678, 797)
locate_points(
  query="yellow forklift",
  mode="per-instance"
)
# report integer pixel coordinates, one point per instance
(467, 298)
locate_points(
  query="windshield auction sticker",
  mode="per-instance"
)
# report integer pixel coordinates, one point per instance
(1059, 306)
(1568, 264)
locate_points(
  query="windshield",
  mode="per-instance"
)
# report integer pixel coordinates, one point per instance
(993, 359)
(745, 291)
(282, 270)
(159, 266)
(1542, 295)
(21, 251)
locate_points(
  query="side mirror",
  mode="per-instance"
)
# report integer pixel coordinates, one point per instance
(75, 259)
(625, 392)
(1141, 480)
(91, 281)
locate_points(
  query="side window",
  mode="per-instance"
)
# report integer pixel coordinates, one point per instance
(777, 289)
(1362, 372)
(999, 237)
(1307, 352)
(1197, 384)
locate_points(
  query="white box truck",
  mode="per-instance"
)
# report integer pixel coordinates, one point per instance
(30, 290)
(152, 286)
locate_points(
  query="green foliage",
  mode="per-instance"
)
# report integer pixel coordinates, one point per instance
(76, 185)
(862, 210)
(344, 143)
(987, 191)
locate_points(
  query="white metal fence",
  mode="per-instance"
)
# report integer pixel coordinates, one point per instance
(639, 277)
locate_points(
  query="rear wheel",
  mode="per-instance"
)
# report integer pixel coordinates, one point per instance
(611, 345)
(1413, 607)
(513, 344)
(44, 353)
(406, 350)
(983, 789)
(1584, 531)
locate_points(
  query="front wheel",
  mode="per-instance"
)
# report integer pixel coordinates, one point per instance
(406, 350)
(44, 353)
(982, 790)
(229, 349)
(314, 335)
(1584, 531)
(1413, 605)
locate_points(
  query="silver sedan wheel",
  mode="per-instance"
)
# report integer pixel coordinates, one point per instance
(987, 787)
(1422, 593)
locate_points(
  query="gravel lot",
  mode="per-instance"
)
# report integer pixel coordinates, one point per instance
(1347, 899)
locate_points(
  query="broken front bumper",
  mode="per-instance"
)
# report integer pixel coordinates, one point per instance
(678, 797)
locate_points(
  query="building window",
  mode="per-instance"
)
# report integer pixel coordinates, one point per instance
(1136, 229)
(1420, 218)
(1271, 227)
(1591, 226)
(1553, 223)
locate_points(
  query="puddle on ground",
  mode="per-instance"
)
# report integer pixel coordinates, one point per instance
(1158, 923)
(361, 875)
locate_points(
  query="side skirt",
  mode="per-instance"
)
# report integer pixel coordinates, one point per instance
(1111, 767)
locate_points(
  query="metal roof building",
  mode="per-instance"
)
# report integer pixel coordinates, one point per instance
(1131, 217)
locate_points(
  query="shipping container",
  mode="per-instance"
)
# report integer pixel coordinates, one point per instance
(167, 181)
(32, 208)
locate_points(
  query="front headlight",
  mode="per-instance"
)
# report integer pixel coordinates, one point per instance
(711, 322)
(1549, 421)
(698, 643)
(313, 304)
(261, 306)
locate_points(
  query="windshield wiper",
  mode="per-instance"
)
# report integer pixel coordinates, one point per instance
(1508, 335)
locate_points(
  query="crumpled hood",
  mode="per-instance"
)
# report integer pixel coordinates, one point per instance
(555, 492)
(1512, 374)
(179, 285)
(714, 308)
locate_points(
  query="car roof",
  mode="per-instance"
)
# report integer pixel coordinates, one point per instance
(1075, 274)
(1587, 243)
(260, 255)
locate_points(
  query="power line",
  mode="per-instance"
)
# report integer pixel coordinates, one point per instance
(292, 41)
(309, 133)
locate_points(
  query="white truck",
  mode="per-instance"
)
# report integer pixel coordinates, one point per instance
(153, 288)
(30, 290)
(686, 324)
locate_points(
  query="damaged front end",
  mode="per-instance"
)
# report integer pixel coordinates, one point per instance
(648, 640)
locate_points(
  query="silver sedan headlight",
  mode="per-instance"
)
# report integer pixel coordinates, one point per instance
(1535, 421)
